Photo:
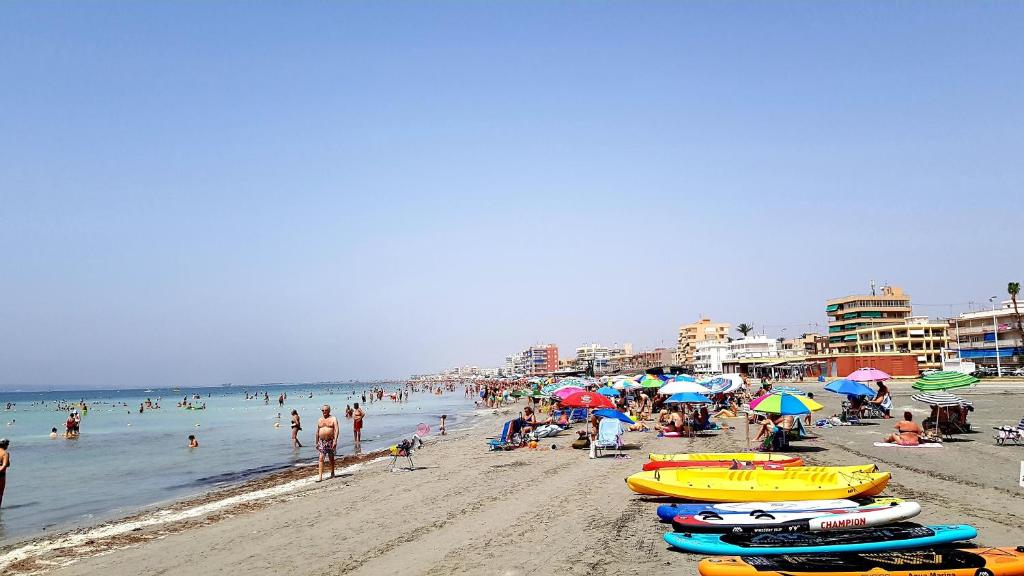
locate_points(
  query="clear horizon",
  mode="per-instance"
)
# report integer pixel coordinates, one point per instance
(201, 193)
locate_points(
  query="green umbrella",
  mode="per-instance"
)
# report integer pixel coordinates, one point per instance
(651, 382)
(944, 381)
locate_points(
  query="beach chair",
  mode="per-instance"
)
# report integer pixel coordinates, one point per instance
(510, 438)
(1010, 434)
(578, 415)
(609, 436)
(777, 442)
(404, 449)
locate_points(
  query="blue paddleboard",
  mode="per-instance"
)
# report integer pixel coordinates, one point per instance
(895, 537)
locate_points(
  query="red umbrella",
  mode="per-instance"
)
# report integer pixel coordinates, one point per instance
(585, 399)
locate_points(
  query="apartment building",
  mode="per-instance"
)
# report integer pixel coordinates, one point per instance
(708, 357)
(700, 331)
(849, 314)
(976, 336)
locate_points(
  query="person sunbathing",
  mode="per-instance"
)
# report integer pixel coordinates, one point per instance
(908, 433)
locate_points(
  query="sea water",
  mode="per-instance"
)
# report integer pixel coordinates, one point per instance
(125, 460)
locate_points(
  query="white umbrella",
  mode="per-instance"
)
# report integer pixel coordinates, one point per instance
(679, 386)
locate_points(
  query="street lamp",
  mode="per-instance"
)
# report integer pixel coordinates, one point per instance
(995, 336)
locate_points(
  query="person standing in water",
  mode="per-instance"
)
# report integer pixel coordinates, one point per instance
(443, 418)
(357, 423)
(296, 428)
(5, 463)
(192, 442)
(327, 431)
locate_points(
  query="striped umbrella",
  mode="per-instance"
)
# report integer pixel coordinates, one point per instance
(944, 381)
(941, 399)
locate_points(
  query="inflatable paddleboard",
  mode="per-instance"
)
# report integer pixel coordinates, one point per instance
(947, 562)
(669, 511)
(760, 522)
(895, 537)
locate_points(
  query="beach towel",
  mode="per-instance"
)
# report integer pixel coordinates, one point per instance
(891, 445)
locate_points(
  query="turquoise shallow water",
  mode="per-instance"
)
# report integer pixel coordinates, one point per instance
(125, 460)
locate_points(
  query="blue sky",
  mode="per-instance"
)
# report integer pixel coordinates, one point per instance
(195, 193)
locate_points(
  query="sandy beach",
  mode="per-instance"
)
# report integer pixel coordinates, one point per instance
(465, 510)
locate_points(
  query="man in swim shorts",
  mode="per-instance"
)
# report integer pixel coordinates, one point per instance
(327, 431)
(357, 422)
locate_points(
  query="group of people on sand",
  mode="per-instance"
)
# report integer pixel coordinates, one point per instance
(327, 432)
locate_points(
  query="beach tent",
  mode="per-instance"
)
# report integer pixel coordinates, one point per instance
(944, 381)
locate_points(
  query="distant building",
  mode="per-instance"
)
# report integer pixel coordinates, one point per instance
(708, 357)
(595, 354)
(974, 335)
(805, 345)
(540, 359)
(700, 331)
(753, 347)
(849, 314)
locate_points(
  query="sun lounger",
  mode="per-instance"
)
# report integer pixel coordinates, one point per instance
(1008, 434)
(510, 438)
(609, 436)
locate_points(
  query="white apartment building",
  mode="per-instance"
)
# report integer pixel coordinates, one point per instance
(708, 356)
(754, 347)
(595, 353)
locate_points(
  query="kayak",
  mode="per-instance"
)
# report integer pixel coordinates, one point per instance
(945, 561)
(895, 537)
(722, 456)
(724, 485)
(761, 522)
(734, 464)
(669, 511)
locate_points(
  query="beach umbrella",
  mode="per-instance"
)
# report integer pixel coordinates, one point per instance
(784, 404)
(609, 413)
(688, 398)
(651, 382)
(584, 399)
(946, 380)
(563, 393)
(850, 388)
(940, 399)
(867, 375)
(624, 385)
(549, 389)
(723, 384)
(608, 391)
(789, 390)
(682, 386)
(683, 378)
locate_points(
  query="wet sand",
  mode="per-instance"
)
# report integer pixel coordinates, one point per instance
(465, 510)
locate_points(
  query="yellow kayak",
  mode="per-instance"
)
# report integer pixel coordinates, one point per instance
(723, 457)
(723, 485)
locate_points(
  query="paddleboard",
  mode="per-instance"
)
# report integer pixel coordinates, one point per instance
(760, 522)
(895, 537)
(669, 511)
(947, 562)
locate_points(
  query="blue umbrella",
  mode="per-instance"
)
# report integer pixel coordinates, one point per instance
(850, 387)
(608, 391)
(684, 378)
(789, 390)
(689, 398)
(609, 413)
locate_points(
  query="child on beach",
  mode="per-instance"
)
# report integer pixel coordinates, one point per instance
(5, 463)
(443, 417)
(192, 442)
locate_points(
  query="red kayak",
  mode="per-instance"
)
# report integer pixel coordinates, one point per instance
(763, 464)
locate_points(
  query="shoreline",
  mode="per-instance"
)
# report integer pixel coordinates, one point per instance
(465, 510)
(37, 553)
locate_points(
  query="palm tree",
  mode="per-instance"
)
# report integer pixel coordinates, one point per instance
(744, 329)
(1013, 288)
